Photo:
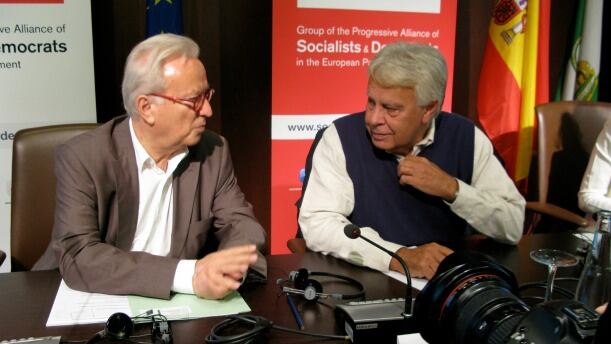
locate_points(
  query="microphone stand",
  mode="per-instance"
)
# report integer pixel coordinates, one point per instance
(377, 320)
(408, 294)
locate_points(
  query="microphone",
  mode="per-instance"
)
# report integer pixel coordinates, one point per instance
(381, 320)
(353, 232)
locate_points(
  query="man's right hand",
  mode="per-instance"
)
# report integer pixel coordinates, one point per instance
(601, 309)
(221, 272)
(422, 261)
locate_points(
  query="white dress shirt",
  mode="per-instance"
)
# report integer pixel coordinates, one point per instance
(491, 204)
(156, 212)
(595, 191)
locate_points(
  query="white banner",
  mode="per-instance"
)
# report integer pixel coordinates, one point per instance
(300, 127)
(46, 77)
(428, 6)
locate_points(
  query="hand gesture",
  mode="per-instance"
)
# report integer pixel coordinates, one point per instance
(427, 177)
(422, 261)
(219, 273)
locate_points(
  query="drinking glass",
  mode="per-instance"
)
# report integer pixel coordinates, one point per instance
(553, 259)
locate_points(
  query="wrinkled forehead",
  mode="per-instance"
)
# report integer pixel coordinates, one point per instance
(176, 65)
(185, 75)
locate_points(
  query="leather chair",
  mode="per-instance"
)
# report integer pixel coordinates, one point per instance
(296, 245)
(33, 190)
(567, 131)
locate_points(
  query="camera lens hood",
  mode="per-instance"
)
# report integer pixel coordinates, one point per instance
(467, 297)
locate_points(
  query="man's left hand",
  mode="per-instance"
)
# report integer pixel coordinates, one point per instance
(219, 273)
(427, 177)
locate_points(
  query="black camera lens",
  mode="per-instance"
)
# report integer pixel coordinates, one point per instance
(471, 299)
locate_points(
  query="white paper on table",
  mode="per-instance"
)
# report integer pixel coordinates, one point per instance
(77, 307)
(412, 338)
(588, 237)
(417, 283)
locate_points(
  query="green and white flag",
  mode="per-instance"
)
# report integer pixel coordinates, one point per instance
(588, 65)
(583, 67)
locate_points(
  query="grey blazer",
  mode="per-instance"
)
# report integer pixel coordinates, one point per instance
(96, 213)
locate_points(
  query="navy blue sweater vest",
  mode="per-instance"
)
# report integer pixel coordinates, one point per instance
(403, 214)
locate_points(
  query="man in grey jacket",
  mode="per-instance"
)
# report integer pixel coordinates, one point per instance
(139, 198)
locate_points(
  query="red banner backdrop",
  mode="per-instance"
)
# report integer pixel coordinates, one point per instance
(320, 54)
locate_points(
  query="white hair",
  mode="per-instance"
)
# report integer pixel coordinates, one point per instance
(417, 66)
(144, 66)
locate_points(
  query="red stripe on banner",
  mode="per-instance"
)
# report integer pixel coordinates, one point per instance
(542, 95)
(498, 105)
(31, 1)
(289, 160)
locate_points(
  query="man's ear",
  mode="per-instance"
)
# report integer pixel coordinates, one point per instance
(429, 111)
(146, 109)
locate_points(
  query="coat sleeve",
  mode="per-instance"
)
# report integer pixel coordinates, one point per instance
(86, 261)
(234, 221)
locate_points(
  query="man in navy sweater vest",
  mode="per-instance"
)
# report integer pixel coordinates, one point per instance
(414, 178)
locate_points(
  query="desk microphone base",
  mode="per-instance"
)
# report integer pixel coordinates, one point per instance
(377, 321)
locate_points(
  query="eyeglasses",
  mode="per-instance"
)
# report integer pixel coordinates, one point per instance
(194, 103)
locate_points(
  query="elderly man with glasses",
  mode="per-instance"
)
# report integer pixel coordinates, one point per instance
(416, 179)
(143, 200)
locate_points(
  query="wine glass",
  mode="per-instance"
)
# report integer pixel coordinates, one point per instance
(553, 259)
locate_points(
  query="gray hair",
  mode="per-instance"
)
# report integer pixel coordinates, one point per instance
(417, 66)
(144, 66)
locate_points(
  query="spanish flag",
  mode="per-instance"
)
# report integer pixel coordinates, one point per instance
(514, 78)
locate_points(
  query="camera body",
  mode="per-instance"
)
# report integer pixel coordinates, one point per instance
(561, 321)
(472, 299)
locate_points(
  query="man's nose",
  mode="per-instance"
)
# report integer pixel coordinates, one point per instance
(206, 109)
(376, 115)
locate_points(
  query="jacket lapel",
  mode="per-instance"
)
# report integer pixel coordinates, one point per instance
(127, 185)
(185, 185)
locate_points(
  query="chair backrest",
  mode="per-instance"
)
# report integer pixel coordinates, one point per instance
(589, 117)
(297, 245)
(33, 189)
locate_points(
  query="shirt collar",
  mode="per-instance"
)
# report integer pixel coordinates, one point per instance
(144, 160)
(429, 138)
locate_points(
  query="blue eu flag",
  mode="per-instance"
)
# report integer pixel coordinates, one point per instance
(163, 16)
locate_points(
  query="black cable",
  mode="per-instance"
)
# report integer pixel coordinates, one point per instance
(311, 334)
(260, 325)
(150, 317)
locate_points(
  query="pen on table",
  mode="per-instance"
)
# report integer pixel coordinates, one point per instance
(295, 312)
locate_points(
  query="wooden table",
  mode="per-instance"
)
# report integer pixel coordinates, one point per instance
(27, 297)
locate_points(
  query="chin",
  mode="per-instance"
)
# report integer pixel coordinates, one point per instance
(194, 138)
(385, 146)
